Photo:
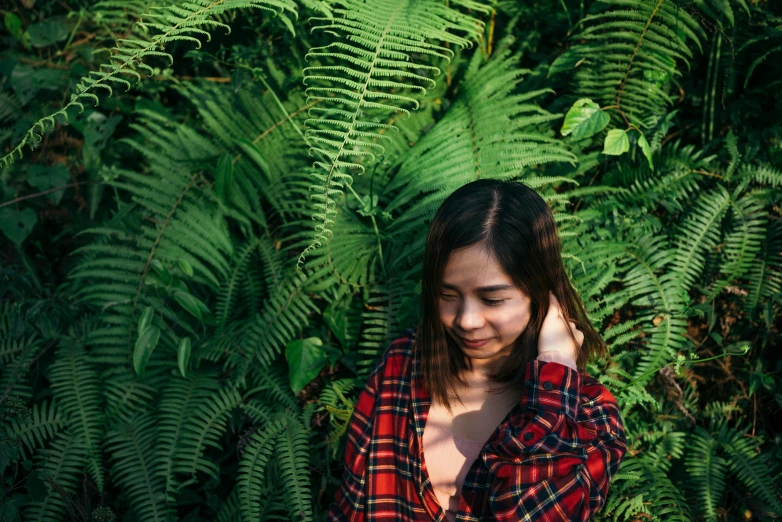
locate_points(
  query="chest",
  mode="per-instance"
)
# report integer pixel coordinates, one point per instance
(476, 416)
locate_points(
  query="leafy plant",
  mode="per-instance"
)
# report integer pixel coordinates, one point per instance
(199, 277)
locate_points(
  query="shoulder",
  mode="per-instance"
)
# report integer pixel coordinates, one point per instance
(397, 359)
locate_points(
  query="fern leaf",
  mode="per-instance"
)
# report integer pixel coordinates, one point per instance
(77, 388)
(132, 449)
(46, 420)
(252, 467)
(293, 455)
(172, 23)
(61, 464)
(629, 55)
(364, 76)
(707, 470)
(203, 429)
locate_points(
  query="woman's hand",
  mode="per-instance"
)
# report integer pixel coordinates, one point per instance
(555, 334)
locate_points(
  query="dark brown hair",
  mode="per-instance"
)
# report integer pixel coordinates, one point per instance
(513, 223)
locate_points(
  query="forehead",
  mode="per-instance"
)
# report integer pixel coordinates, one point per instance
(474, 268)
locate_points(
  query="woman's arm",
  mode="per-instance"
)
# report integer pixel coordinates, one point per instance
(349, 501)
(557, 461)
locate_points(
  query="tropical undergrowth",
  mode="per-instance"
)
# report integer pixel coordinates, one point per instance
(202, 265)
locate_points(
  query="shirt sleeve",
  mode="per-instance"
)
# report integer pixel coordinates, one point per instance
(557, 357)
(349, 502)
(556, 459)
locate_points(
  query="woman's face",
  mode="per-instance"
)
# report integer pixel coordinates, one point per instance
(478, 301)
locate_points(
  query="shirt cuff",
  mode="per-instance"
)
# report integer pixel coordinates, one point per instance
(552, 388)
(557, 357)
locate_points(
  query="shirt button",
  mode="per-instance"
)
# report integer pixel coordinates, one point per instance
(528, 435)
(547, 385)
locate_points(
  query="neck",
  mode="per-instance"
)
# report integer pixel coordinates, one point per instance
(481, 370)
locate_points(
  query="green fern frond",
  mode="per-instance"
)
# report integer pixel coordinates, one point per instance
(187, 21)
(660, 300)
(364, 76)
(230, 508)
(263, 136)
(180, 399)
(352, 255)
(46, 420)
(293, 456)
(285, 314)
(765, 272)
(252, 469)
(699, 232)
(271, 383)
(204, 428)
(745, 462)
(230, 288)
(669, 446)
(131, 447)
(622, 504)
(125, 394)
(16, 356)
(719, 9)
(340, 409)
(769, 34)
(630, 53)
(707, 472)
(765, 175)
(183, 225)
(385, 316)
(77, 389)
(664, 498)
(743, 243)
(491, 131)
(62, 463)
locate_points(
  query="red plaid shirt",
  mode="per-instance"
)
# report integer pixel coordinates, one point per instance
(550, 459)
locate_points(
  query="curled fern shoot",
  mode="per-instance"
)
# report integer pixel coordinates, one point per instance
(184, 22)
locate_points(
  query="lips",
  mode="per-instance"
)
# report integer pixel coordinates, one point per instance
(474, 344)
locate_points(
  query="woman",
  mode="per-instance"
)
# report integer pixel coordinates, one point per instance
(481, 413)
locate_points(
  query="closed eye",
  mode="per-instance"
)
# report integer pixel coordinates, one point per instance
(490, 302)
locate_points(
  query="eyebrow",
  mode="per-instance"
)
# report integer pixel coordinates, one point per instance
(493, 288)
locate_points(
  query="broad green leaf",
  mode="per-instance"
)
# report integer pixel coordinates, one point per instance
(584, 119)
(254, 153)
(7, 452)
(145, 321)
(335, 319)
(564, 62)
(616, 142)
(161, 271)
(193, 305)
(17, 224)
(183, 355)
(27, 81)
(224, 178)
(305, 359)
(46, 178)
(145, 345)
(14, 25)
(46, 33)
(185, 267)
(646, 149)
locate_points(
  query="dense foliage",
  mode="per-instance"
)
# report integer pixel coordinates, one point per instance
(213, 215)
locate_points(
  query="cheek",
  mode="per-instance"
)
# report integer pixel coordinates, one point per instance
(517, 319)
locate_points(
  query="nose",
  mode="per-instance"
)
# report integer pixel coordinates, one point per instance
(469, 316)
